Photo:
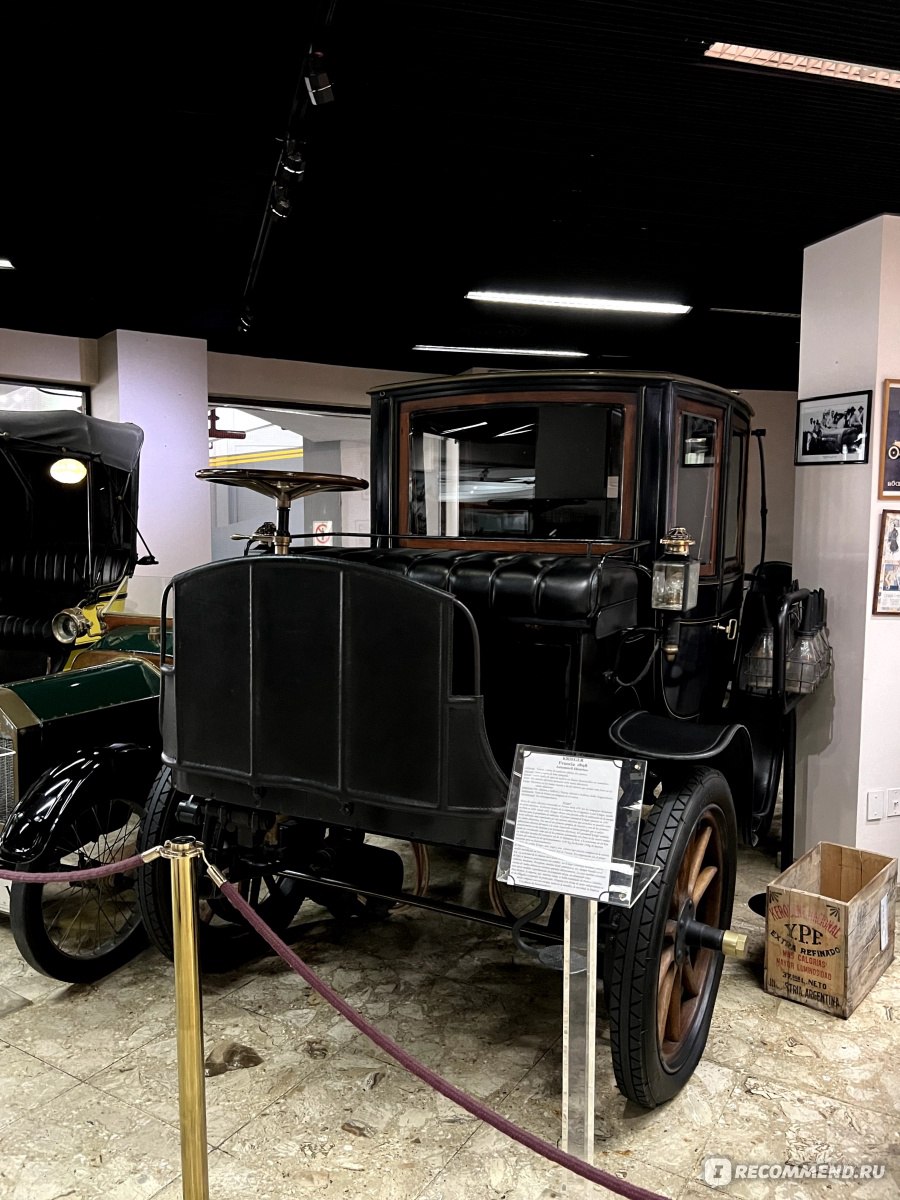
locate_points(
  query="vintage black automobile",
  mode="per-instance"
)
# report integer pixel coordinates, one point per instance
(514, 592)
(79, 685)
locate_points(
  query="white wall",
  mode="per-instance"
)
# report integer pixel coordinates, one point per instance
(159, 382)
(243, 376)
(776, 412)
(47, 357)
(847, 730)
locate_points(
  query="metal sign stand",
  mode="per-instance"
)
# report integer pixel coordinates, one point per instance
(571, 826)
(579, 1032)
(183, 853)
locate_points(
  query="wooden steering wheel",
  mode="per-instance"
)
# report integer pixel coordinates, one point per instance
(283, 487)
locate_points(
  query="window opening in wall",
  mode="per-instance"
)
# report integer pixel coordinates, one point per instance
(41, 397)
(274, 438)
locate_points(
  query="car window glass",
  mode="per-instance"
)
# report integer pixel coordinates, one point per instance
(514, 471)
(737, 468)
(696, 478)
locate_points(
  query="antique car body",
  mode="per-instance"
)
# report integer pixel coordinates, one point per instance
(79, 737)
(378, 692)
(504, 599)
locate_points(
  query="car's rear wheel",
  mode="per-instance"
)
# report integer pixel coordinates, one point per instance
(660, 989)
(224, 939)
(79, 932)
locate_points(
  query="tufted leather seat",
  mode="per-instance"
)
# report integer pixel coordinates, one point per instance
(544, 588)
(36, 583)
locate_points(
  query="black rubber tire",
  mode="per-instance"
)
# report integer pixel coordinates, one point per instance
(633, 957)
(31, 904)
(221, 946)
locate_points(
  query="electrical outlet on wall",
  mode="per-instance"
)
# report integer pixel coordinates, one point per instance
(875, 804)
(893, 802)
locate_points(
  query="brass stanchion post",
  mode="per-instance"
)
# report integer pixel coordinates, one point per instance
(182, 852)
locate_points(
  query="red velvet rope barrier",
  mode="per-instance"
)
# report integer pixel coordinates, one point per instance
(406, 1060)
(82, 876)
(411, 1064)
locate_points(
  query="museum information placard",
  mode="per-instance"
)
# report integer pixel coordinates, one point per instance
(565, 823)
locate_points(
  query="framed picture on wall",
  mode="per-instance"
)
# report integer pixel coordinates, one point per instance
(890, 441)
(887, 577)
(833, 429)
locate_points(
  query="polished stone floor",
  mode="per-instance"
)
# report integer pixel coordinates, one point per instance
(88, 1106)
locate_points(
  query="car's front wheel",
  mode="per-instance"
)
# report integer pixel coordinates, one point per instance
(661, 984)
(80, 932)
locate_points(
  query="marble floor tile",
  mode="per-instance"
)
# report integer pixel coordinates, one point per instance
(15, 973)
(85, 1145)
(363, 1127)
(671, 1138)
(232, 1179)
(856, 1066)
(491, 1167)
(148, 1077)
(26, 1083)
(327, 1114)
(742, 1014)
(84, 1028)
(771, 1122)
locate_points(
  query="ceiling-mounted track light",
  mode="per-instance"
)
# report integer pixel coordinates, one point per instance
(293, 160)
(318, 82)
(280, 204)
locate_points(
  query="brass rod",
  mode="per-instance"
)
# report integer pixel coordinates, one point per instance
(189, 1022)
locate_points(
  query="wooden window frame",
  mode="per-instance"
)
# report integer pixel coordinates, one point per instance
(628, 401)
(712, 412)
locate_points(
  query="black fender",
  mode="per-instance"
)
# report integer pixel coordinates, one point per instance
(124, 768)
(728, 748)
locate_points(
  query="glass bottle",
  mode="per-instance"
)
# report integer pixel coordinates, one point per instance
(759, 662)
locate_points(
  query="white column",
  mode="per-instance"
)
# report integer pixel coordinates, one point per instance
(847, 741)
(160, 383)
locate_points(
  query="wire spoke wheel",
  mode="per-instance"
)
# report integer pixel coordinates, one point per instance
(79, 932)
(224, 939)
(661, 987)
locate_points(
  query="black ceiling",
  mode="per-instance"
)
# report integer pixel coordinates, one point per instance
(542, 145)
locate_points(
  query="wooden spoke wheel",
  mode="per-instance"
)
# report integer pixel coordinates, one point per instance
(661, 985)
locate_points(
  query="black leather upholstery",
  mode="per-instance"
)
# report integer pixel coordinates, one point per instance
(546, 588)
(36, 583)
(334, 700)
(727, 747)
(646, 734)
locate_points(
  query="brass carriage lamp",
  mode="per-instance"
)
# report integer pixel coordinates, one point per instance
(675, 575)
(674, 589)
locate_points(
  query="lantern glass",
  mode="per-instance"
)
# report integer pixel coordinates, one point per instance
(675, 583)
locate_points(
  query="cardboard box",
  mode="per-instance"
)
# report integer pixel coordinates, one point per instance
(830, 927)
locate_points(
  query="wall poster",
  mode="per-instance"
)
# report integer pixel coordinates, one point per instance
(890, 441)
(887, 576)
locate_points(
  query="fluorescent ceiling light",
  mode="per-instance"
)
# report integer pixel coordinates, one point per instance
(805, 64)
(756, 312)
(460, 428)
(504, 350)
(6, 265)
(519, 429)
(597, 303)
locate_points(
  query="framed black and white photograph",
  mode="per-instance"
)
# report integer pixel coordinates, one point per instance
(833, 429)
(890, 442)
(887, 576)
